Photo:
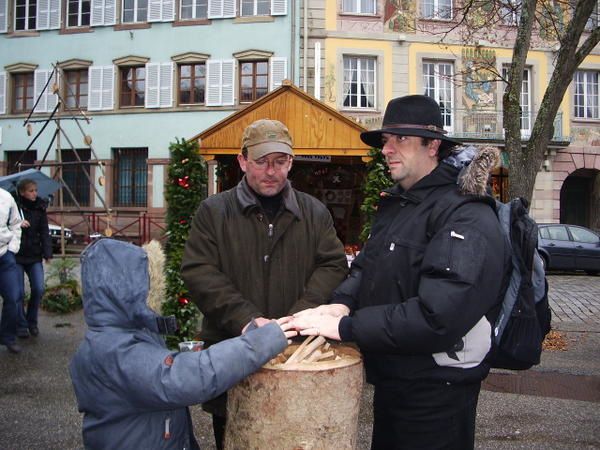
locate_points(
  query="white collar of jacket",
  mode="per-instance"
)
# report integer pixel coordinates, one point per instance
(248, 200)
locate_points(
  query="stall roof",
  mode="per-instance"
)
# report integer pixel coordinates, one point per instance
(316, 128)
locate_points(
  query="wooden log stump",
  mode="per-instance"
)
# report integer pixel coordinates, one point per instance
(298, 406)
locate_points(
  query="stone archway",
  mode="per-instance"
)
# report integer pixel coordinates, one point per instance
(576, 174)
(577, 194)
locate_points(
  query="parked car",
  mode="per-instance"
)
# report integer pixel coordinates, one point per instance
(569, 247)
(55, 236)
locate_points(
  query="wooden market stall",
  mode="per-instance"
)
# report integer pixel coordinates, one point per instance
(329, 161)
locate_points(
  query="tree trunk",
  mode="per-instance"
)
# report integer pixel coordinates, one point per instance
(311, 406)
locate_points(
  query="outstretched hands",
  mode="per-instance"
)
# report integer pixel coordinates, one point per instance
(323, 320)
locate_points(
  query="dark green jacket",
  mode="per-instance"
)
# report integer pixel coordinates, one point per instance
(238, 266)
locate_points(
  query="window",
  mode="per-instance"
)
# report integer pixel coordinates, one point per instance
(255, 7)
(101, 88)
(133, 86)
(437, 79)
(593, 20)
(525, 102)
(76, 88)
(131, 177)
(192, 83)
(103, 12)
(254, 80)
(436, 9)
(510, 12)
(359, 82)
(586, 94)
(25, 14)
(558, 233)
(22, 92)
(358, 6)
(583, 235)
(74, 177)
(78, 13)
(193, 9)
(135, 11)
(16, 161)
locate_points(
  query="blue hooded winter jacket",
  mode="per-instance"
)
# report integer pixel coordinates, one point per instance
(132, 390)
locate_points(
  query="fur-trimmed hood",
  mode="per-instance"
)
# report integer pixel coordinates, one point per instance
(123, 286)
(475, 165)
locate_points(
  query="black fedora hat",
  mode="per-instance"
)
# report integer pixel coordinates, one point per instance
(411, 115)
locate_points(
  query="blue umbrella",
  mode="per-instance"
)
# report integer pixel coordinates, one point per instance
(46, 185)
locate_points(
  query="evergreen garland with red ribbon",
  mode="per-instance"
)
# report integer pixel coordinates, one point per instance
(185, 189)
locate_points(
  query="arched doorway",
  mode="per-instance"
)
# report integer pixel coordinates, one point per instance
(580, 198)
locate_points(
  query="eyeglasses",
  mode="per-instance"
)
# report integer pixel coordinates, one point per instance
(276, 164)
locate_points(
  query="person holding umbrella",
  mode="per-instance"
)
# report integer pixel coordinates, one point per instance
(35, 246)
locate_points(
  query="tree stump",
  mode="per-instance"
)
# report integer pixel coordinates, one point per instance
(299, 406)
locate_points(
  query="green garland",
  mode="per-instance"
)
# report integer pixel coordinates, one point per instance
(378, 179)
(185, 189)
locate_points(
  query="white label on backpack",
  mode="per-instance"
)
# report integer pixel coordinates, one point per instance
(470, 350)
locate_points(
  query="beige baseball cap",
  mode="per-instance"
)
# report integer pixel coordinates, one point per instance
(266, 136)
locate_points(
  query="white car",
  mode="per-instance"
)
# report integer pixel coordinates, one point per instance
(55, 236)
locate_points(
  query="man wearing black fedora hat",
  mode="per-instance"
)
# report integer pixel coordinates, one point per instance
(423, 293)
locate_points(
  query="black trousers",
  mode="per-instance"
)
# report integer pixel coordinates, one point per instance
(424, 415)
(219, 424)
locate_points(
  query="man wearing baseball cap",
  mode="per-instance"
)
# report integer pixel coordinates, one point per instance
(423, 294)
(261, 250)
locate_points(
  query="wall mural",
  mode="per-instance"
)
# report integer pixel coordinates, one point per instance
(399, 16)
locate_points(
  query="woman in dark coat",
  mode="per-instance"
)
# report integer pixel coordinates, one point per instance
(35, 246)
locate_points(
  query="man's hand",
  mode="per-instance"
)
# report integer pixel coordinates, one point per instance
(318, 325)
(25, 223)
(335, 310)
(287, 327)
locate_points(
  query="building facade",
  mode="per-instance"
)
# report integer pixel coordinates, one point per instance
(121, 80)
(356, 55)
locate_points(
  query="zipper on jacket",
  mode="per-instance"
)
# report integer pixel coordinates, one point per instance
(167, 434)
(270, 232)
(453, 235)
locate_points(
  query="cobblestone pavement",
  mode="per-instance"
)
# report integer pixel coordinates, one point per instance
(574, 300)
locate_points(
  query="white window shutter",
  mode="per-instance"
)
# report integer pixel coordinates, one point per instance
(3, 16)
(110, 16)
(95, 88)
(215, 9)
(108, 83)
(213, 83)
(2, 92)
(229, 8)
(166, 85)
(51, 97)
(54, 15)
(154, 10)
(97, 18)
(39, 80)
(43, 15)
(278, 7)
(278, 72)
(168, 11)
(152, 85)
(227, 83)
(100, 88)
